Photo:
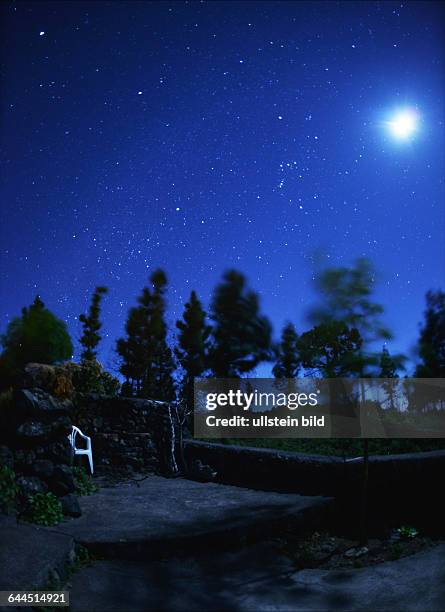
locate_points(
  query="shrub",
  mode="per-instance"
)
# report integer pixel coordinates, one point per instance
(8, 488)
(84, 483)
(35, 336)
(44, 509)
(64, 380)
(407, 533)
(63, 387)
(90, 377)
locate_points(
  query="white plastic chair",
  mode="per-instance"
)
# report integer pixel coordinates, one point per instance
(88, 451)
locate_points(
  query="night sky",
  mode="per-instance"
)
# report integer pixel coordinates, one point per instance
(207, 135)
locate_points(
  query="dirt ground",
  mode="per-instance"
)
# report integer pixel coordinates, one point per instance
(327, 551)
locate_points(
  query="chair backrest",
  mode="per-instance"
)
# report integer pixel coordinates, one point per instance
(72, 436)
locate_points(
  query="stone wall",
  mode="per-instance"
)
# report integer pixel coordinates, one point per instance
(128, 434)
(34, 443)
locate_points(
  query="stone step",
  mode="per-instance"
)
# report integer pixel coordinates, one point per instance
(161, 516)
(29, 555)
(259, 578)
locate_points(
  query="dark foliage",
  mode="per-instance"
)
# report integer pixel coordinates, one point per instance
(432, 337)
(241, 335)
(91, 325)
(146, 359)
(37, 336)
(193, 346)
(288, 361)
(331, 350)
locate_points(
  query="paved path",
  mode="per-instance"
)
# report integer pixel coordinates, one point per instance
(28, 554)
(259, 579)
(160, 512)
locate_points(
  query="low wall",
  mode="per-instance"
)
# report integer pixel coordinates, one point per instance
(127, 433)
(269, 469)
(404, 487)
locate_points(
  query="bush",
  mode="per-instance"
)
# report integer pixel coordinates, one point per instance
(406, 532)
(63, 387)
(84, 483)
(35, 336)
(64, 380)
(90, 377)
(8, 488)
(44, 509)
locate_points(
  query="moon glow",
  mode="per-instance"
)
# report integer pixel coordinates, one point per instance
(403, 124)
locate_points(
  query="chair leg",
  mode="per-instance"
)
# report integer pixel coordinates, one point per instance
(90, 459)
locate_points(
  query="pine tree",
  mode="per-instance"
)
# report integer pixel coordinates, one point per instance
(146, 359)
(192, 352)
(158, 380)
(432, 338)
(330, 349)
(131, 351)
(37, 335)
(388, 367)
(388, 370)
(241, 335)
(91, 325)
(288, 362)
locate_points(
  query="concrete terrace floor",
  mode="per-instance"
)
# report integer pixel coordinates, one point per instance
(161, 513)
(178, 545)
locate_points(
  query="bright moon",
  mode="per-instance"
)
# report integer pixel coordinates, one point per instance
(403, 124)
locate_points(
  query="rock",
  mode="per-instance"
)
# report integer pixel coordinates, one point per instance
(70, 505)
(133, 463)
(202, 472)
(62, 480)
(98, 423)
(23, 460)
(61, 427)
(6, 457)
(37, 403)
(43, 468)
(356, 552)
(33, 432)
(58, 452)
(30, 485)
(38, 375)
(25, 402)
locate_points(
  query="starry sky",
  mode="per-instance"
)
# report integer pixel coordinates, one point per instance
(199, 136)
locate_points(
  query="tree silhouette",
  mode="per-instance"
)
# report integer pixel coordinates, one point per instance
(431, 344)
(146, 359)
(91, 325)
(388, 367)
(193, 349)
(38, 335)
(388, 370)
(288, 361)
(241, 335)
(131, 351)
(330, 349)
(346, 295)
